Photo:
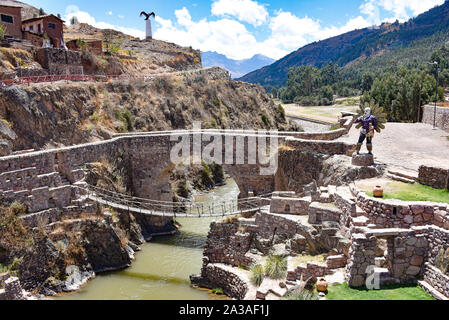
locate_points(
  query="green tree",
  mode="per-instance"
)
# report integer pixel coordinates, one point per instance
(367, 81)
(41, 12)
(74, 20)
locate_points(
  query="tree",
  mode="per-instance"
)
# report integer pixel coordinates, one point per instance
(41, 12)
(74, 20)
(59, 15)
(367, 81)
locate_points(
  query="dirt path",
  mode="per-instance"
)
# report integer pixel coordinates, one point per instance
(408, 145)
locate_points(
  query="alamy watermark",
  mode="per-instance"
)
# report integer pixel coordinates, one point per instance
(260, 148)
(373, 278)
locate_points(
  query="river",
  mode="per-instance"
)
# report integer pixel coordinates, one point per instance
(161, 270)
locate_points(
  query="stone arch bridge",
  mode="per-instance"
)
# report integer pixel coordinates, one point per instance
(51, 179)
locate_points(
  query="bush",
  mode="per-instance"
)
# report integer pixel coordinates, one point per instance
(217, 173)
(256, 274)
(265, 119)
(217, 291)
(276, 267)
(18, 208)
(2, 31)
(183, 189)
(125, 116)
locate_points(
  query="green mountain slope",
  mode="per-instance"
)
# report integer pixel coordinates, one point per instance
(379, 47)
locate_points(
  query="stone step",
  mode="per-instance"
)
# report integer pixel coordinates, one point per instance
(431, 290)
(401, 179)
(360, 221)
(404, 174)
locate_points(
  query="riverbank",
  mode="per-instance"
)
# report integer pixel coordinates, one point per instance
(162, 268)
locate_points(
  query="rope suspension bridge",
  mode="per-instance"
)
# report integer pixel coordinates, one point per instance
(182, 209)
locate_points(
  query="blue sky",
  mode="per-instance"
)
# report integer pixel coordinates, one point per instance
(239, 28)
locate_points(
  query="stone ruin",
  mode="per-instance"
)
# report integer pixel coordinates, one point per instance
(399, 240)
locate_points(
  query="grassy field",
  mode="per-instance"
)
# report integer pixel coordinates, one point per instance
(324, 113)
(393, 292)
(412, 192)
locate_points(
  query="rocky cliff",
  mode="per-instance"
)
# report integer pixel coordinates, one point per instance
(57, 114)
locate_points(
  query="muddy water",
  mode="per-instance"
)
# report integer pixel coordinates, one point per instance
(161, 270)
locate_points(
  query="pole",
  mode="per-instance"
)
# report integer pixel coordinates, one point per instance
(436, 99)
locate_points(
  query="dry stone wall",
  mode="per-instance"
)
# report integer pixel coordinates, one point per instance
(442, 116)
(435, 177)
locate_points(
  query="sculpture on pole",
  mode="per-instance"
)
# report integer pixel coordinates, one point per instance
(149, 32)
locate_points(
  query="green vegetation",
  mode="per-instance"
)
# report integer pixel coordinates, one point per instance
(265, 119)
(276, 266)
(414, 192)
(183, 189)
(74, 20)
(12, 268)
(256, 274)
(210, 175)
(18, 209)
(392, 292)
(2, 31)
(126, 117)
(217, 291)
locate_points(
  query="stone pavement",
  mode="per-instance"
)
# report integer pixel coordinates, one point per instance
(407, 145)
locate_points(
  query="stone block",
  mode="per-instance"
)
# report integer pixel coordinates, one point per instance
(362, 160)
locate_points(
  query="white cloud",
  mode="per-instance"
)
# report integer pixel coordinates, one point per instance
(401, 10)
(109, 13)
(244, 10)
(231, 38)
(85, 17)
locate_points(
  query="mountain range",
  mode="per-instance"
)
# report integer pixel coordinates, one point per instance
(376, 47)
(237, 68)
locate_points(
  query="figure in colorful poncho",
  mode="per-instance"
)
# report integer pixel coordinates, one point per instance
(369, 124)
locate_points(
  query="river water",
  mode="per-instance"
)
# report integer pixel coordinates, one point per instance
(161, 270)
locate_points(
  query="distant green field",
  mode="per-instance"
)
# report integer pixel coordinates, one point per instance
(393, 292)
(413, 192)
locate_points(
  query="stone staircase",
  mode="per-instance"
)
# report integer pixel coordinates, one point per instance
(402, 175)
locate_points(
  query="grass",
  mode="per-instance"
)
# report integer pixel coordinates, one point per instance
(413, 192)
(391, 292)
(305, 258)
(276, 267)
(256, 274)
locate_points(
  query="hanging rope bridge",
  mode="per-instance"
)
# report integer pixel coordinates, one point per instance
(182, 209)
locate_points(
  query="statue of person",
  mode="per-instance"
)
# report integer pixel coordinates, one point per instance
(369, 124)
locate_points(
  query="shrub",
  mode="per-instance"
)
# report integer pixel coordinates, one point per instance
(281, 111)
(2, 31)
(18, 208)
(206, 177)
(217, 173)
(256, 274)
(265, 119)
(183, 189)
(217, 291)
(124, 116)
(276, 267)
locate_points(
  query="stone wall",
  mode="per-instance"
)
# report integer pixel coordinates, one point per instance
(59, 61)
(442, 116)
(316, 270)
(320, 212)
(226, 245)
(435, 177)
(295, 206)
(219, 276)
(439, 281)
(402, 214)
